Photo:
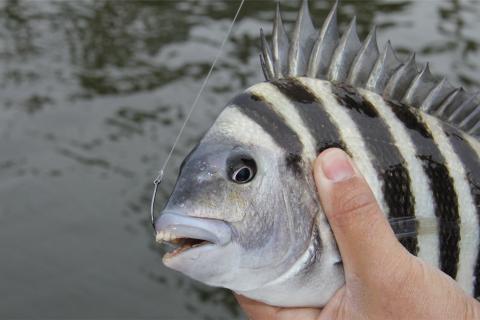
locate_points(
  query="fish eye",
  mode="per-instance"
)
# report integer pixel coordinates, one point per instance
(242, 175)
(242, 169)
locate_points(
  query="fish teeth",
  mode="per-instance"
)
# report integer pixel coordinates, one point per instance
(164, 235)
(159, 237)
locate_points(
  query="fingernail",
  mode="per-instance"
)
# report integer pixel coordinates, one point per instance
(336, 165)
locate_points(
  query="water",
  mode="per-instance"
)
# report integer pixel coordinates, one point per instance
(92, 96)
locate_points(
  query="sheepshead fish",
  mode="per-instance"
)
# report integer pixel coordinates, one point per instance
(245, 211)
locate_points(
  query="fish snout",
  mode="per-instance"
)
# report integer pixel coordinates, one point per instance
(173, 227)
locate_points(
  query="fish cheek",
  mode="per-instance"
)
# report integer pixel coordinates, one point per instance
(278, 225)
(259, 200)
(261, 237)
(303, 209)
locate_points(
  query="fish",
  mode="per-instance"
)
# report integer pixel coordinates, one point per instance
(244, 213)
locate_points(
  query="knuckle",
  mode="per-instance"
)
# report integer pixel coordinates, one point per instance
(351, 201)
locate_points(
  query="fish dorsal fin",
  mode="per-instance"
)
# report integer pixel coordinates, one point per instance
(343, 58)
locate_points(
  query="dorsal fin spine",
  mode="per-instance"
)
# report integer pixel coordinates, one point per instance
(386, 65)
(401, 79)
(474, 115)
(364, 61)
(279, 45)
(445, 108)
(326, 55)
(438, 94)
(464, 109)
(345, 53)
(475, 128)
(267, 57)
(471, 120)
(324, 46)
(421, 86)
(301, 47)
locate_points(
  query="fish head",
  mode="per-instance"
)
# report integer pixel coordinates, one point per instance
(243, 208)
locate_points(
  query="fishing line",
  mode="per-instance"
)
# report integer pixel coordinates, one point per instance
(158, 180)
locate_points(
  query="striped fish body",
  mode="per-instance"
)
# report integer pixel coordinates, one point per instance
(420, 168)
(245, 209)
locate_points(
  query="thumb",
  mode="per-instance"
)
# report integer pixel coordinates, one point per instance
(363, 235)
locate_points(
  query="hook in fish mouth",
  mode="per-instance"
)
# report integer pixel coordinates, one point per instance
(186, 233)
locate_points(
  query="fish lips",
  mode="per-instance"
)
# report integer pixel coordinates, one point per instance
(173, 225)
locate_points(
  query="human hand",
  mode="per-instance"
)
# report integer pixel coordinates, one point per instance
(382, 279)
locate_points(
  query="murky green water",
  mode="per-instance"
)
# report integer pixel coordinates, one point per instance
(92, 94)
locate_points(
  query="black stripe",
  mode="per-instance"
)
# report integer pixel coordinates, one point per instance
(260, 111)
(312, 113)
(386, 158)
(441, 184)
(471, 163)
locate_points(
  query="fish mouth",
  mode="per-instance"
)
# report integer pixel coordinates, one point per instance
(186, 233)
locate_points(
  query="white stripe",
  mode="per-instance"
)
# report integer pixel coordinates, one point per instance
(473, 225)
(466, 206)
(287, 110)
(428, 243)
(349, 134)
(232, 123)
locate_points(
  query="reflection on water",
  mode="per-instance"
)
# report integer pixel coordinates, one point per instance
(92, 96)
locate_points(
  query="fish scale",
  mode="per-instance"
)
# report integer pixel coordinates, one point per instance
(412, 136)
(320, 126)
(471, 163)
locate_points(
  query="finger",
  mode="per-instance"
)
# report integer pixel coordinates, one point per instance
(363, 235)
(259, 311)
(334, 306)
(256, 310)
